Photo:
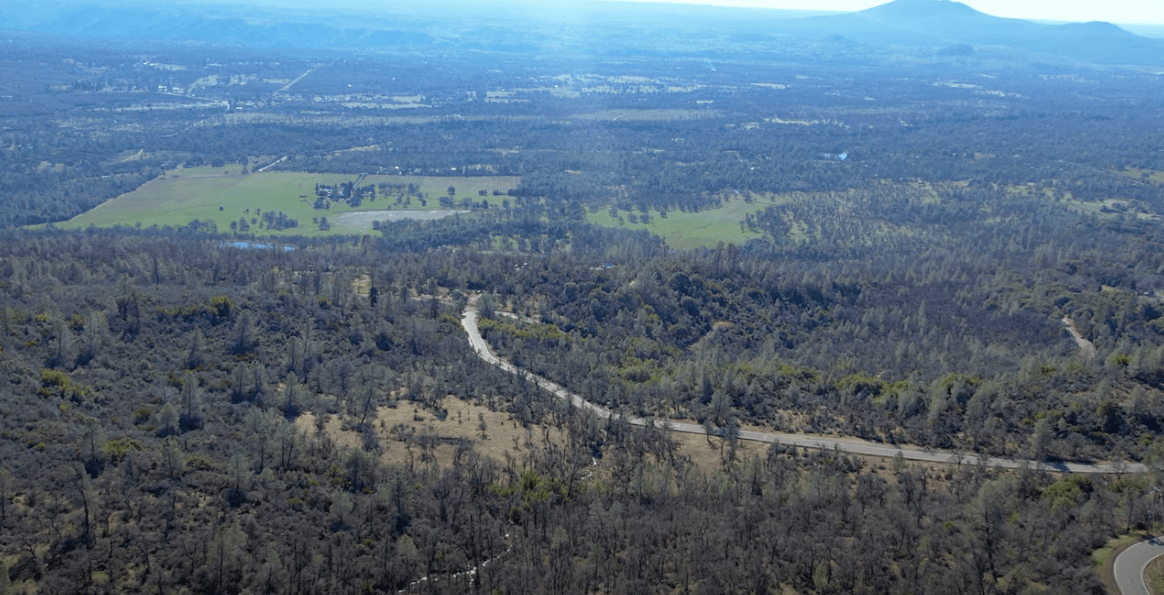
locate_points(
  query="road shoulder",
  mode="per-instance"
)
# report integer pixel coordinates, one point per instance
(1128, 563)
(1105, 558)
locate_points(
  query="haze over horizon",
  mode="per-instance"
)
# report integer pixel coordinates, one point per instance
(1141, 12)
(1113, 11)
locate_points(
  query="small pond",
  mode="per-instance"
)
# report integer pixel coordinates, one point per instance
(244, 245)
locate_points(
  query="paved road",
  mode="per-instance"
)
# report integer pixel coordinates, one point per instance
(855, 446)
(1129, 565)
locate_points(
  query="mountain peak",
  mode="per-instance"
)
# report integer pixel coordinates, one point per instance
(922, 9)
(948, 23)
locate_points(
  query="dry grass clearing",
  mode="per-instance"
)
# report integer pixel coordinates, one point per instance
(410, 435)
(362, 285)
(404, 431)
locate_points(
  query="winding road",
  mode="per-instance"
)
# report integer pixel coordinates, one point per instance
(854, 446)
(1130, 564)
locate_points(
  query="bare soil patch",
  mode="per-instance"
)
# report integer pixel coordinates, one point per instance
(1086, 348)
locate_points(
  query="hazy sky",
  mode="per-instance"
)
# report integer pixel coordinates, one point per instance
(1114, 11)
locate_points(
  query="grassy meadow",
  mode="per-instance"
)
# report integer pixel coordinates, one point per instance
(685, 231)
(225, 194)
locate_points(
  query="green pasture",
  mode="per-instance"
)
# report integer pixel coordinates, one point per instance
(685, 230)
(1144, 174)
(224, 195)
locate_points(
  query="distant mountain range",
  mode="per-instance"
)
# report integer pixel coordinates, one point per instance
(933, 27)
(948, 23)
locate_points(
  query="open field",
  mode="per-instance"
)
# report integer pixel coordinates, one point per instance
(684, 231)
(1149, 174)
(1108, 208)
(224, 195)
(1111, 208)
(361, 221)
(404, 429)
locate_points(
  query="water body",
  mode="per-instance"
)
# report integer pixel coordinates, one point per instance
(259, 246)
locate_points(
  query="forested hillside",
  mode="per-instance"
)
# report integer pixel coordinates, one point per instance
(153, 384)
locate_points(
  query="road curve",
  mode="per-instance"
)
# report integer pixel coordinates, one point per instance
(854, 446)
(1130, 564)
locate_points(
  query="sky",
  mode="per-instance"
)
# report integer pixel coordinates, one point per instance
(1112, 11)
